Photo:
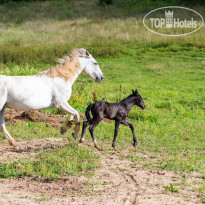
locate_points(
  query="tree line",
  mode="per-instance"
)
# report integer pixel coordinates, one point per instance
(123, 2)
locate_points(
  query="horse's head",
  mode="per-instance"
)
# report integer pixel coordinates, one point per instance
(138, 99)
(90, 65)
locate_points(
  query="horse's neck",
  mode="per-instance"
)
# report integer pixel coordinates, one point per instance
(128, 103)
(75, 76)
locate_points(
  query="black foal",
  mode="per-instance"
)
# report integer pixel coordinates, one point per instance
(113, 111)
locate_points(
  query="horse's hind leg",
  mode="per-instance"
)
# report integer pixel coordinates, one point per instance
(76, 130)
(5, 132)
(64, 129)
(69, 125)
(85, 125)
(91, 129)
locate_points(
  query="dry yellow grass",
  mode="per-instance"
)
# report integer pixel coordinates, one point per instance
(91, 23)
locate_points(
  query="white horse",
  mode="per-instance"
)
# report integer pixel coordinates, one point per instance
(50, 88)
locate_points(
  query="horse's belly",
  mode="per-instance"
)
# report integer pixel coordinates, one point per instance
(29, 95)
(33, 101)
(27, 106)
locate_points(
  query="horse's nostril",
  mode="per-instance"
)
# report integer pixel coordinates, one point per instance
(97, 79)
(102, 78)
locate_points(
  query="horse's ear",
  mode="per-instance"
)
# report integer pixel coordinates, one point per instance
(136, 92)
(87, 53)
(133, 92)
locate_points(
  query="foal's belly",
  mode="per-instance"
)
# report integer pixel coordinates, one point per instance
(110, 112)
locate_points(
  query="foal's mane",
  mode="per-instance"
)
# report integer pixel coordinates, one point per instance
(68, 66)
(130, 97)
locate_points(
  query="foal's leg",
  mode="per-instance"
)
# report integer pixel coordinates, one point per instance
(117, 123)
(5, 132)
(85, 125)
(91, 129)
(124, 122)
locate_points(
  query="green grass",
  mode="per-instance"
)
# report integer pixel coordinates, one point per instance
(168, 73)
(41, 199)
(172, 124)
(171, 188)
(69, 160)
(32, 130)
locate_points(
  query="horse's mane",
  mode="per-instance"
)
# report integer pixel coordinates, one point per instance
(68, 65)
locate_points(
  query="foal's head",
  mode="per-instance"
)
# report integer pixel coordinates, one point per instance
(138, 99)
(90, 65)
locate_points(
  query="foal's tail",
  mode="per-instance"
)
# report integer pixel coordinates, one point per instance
(87, 112)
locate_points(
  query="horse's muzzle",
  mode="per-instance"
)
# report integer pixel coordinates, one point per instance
(98, 80)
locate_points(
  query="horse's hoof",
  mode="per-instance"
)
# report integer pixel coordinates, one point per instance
(63, 130)
(75, 136)
(18, 149)
(100, 149)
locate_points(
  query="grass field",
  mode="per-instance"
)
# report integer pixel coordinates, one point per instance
(168, 72)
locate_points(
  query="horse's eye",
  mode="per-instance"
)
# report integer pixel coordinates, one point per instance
(95, 63)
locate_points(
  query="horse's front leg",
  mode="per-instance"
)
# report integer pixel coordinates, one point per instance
(66, 107)
(5, 132)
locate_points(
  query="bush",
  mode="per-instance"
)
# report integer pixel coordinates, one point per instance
(128, 3)
(105, 2)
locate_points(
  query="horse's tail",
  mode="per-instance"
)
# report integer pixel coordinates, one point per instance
(87, 112)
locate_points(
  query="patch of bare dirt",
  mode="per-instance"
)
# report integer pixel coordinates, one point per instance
(34, 116)
(29, 148)
(117, 182)
(12, 115)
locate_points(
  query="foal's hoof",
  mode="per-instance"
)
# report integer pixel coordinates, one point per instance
(80, 142)
(136, 143)
(114, 148)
